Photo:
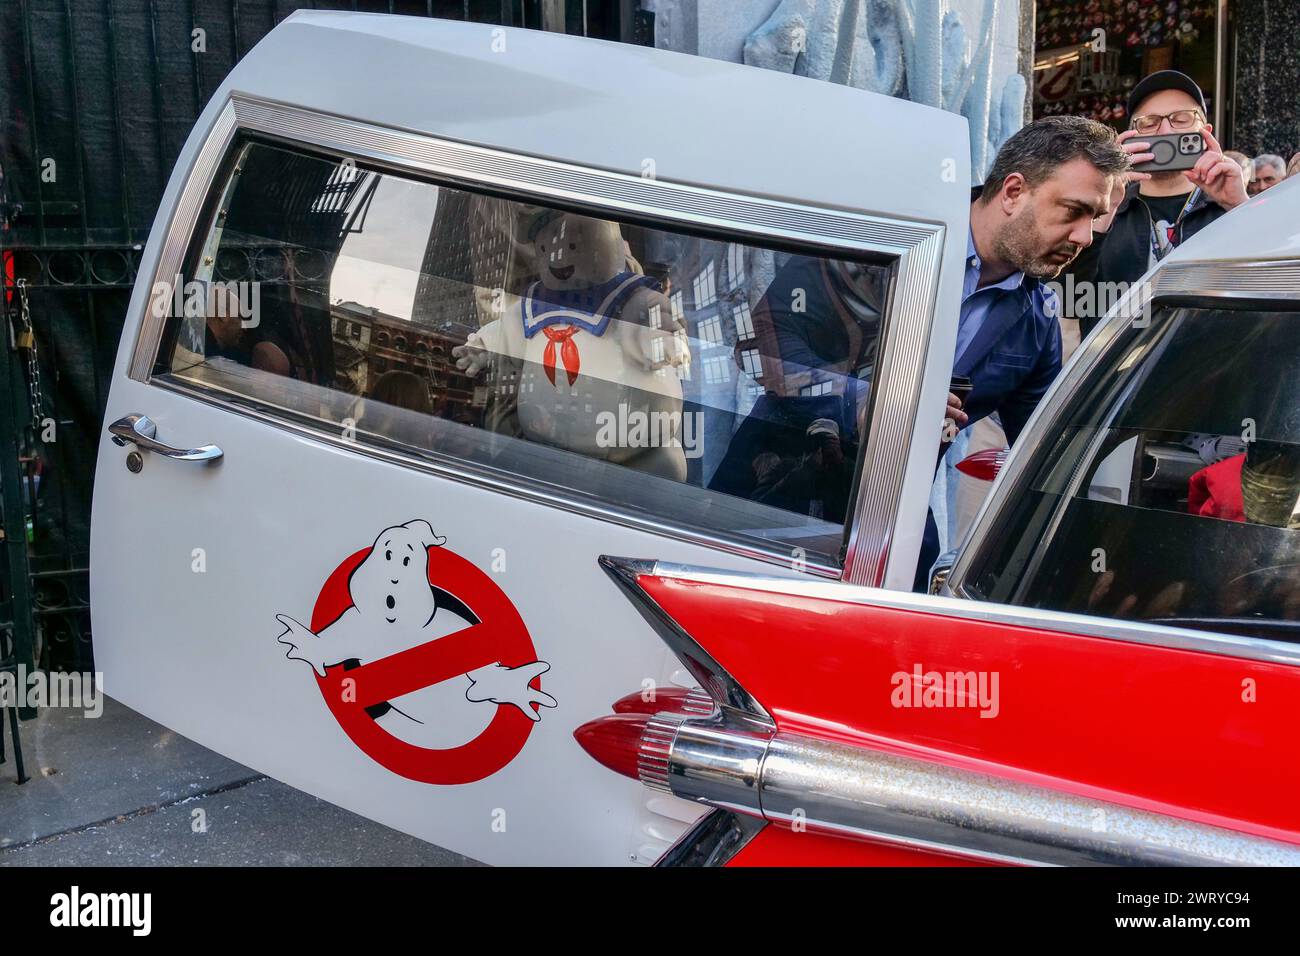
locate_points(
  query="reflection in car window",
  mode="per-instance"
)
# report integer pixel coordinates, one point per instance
(705, 384)
(1173, 494)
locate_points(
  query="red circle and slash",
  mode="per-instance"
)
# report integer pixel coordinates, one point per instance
(499, 637)
(1058, 81)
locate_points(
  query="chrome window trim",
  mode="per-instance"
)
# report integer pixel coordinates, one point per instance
(1081, 625)
(915, 248)
(176, 239)
(895, 398)
(398, 455)
(1242, 279)
(1228, 280)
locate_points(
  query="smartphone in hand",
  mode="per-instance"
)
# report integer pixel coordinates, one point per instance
(961, 386)
(1172, 151)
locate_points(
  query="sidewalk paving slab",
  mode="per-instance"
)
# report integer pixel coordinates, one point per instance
(121, 790)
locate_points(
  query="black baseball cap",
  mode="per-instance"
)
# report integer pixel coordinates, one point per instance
(1165, 80)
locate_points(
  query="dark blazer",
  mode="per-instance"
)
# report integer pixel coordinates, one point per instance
(1015, 356)
(1011, 362)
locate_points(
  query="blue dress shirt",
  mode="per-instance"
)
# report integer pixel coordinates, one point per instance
(976, 302)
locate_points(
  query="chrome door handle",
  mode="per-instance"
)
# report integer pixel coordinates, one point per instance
(140, 430)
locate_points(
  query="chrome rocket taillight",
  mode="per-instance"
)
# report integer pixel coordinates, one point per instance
(654, 753)
(693, 703)
(637, 739)
(712, 758)
(985, 464)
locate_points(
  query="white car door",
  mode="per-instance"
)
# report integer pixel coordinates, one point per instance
(431, 319)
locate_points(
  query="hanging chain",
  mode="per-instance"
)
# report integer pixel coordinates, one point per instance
(26, 340)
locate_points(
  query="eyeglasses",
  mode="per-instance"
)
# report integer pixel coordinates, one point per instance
(1178, 119)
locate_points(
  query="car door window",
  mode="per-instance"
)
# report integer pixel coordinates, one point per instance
(703, 383)
(1172, 494)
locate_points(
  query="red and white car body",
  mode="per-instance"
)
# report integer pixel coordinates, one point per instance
(745, 702)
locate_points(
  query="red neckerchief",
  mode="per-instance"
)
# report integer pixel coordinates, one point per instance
(568, 351)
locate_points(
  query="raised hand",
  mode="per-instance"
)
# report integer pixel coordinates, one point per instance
(303, 644)
(1138, 152)
(510, 685)
(1216, 175)
(472, 357)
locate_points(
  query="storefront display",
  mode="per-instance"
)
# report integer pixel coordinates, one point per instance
(1090, 53)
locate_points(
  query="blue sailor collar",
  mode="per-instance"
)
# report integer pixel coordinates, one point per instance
(589, 309)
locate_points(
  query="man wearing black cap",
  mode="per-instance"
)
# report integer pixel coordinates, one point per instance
(1153, 212)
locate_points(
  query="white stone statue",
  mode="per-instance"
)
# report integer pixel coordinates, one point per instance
(916, 49)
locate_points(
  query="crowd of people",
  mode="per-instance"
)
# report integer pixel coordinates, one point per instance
(1068, 198)
(1265, 170)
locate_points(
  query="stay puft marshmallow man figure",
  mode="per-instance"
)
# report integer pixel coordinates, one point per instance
(590, 340)
(394, 608)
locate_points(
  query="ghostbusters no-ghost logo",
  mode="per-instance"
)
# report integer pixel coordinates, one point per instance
(399, 630)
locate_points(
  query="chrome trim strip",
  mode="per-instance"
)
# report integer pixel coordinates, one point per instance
(724, 689)
(714, 840)
(720, 762)
(896, 396)
(198, 186)
(570, 182)
(855, 791)
(915, 246)
(1133, 632)
(1245, 279)
(926, 846)
(287, 421)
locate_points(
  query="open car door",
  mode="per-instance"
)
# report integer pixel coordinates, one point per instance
(428, 322)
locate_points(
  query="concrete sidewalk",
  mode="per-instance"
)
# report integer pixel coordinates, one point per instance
(121, 790)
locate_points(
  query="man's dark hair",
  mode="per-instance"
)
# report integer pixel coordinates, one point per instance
(1037, 150)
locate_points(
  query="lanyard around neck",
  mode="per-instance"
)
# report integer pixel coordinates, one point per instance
(1156, 252)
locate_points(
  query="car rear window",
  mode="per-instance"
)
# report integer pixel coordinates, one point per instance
(1172, 493)
(700, 383)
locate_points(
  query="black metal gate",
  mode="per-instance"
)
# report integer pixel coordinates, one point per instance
(97, 98)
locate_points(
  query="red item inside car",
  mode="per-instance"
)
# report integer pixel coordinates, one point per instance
(1215, 490)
